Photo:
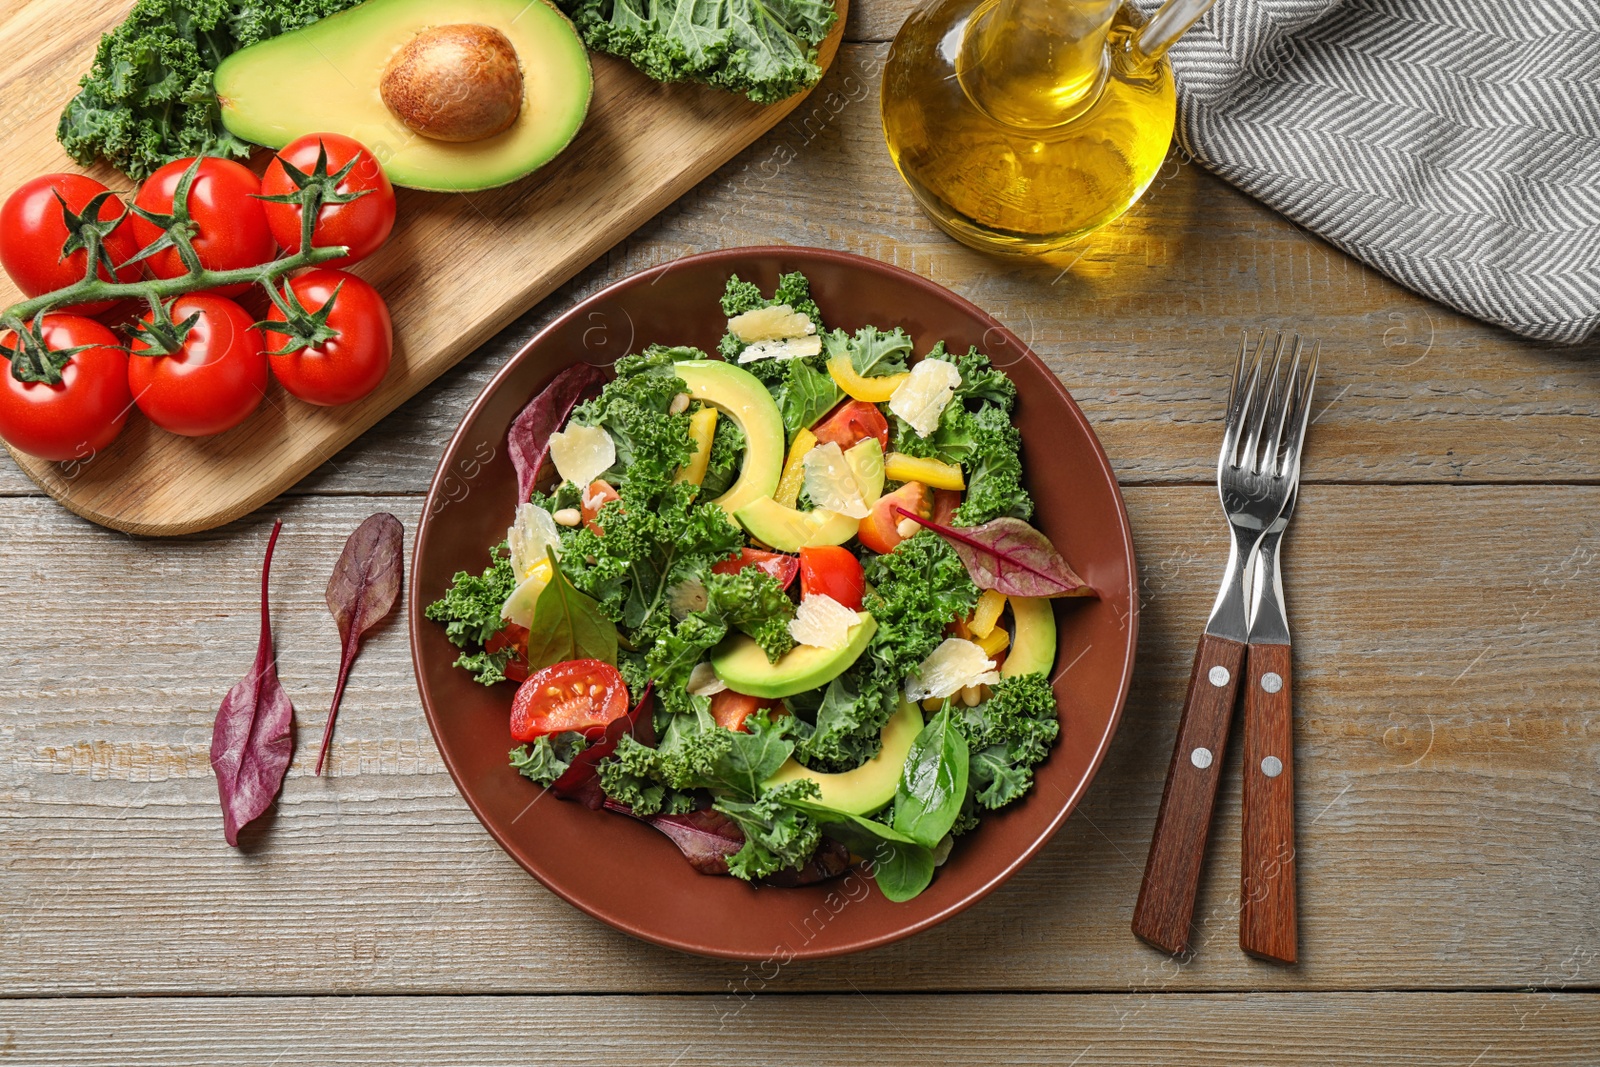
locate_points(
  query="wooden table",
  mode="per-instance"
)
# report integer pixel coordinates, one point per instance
(1443, 575)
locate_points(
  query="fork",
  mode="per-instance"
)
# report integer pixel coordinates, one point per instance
(1257, 469)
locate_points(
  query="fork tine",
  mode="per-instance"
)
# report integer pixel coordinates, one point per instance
(1297, 437)
(1262, 410)
(1285, 407)
(1240, 413)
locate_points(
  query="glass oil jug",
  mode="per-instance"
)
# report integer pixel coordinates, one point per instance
(1024, 125)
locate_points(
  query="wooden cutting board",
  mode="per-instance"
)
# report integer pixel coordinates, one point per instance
(458, 267)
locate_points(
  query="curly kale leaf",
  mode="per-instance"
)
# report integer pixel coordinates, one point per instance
(547, 758)
(1008, 735)
(873, 353)
(470, 610)
(753, 602)
(739, 296)
(765, 50)
(148, 96)
(777, 834)
(727, 452)
(635, 409)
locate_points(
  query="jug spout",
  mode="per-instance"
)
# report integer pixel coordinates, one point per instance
(1168, 24)
(1035, 64)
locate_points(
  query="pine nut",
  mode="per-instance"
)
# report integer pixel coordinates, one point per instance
(905, 528)
(680, 404)
(567, 517)
(969, 696)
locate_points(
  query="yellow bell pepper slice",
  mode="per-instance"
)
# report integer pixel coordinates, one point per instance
(702, 428)
(857, 387)
(794, 470)
(899, 467)
(997, 642)
(986, 613)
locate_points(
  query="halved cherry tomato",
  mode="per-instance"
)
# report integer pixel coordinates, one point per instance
(832, 570)
(853, 422)
(880, 531)
(598, 495)
(731, 709)
(515, 638)
(945, 502)
(782, 567)
(579, 694)
(33, 232)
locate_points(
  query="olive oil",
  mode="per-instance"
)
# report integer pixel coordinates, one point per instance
(1024, 125)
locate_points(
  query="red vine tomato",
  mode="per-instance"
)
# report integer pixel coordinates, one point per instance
(34, 232)
(215, 379)
(80, 414)
(359, 211)
(352, 342)
(228, 222)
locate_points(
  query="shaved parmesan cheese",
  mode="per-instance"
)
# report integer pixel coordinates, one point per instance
(519, 606)
(771, 324)
(822, 622)
(703, 681)
(786, 348)
(582, 453)
(950, 668)
(922, 397)
(831, 482)
(533, 531)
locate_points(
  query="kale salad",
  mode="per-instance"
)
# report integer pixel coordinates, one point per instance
(782, 602)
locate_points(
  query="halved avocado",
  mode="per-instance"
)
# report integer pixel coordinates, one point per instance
(325, 77)
(740, 395)
(790, 529)
(870, 786)
(741, 663)
(1033, 644)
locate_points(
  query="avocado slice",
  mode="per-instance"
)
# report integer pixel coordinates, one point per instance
(325, 78)
(741, 663)
(870, 786)
(790, 529)
(740, 395)
(1033, 644)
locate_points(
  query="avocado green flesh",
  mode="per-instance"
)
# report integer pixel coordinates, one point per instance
(740, 662)
(324, 78)
(741, 396)
(870, 786)
(1033, 645)
(790, 530)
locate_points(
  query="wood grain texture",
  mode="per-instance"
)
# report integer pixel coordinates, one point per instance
(1142, 328)
(457, 268)
(1267, 899)
(1163, 913)
(1309, 1030)
(1448, 765)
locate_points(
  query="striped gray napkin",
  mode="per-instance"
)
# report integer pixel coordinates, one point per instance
(1452, 144)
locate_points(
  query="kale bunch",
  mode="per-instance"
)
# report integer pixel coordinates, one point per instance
(148, 97)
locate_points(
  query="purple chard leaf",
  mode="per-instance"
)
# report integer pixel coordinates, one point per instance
(1010, 557)
(706, 838)
(528, 440)
(362, 592)
(253, 738)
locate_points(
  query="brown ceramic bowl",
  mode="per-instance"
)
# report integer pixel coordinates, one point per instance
(622, 871)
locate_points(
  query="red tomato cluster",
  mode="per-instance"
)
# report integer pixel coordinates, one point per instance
(218, 374)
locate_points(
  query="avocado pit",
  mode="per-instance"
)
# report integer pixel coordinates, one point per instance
(459, 82)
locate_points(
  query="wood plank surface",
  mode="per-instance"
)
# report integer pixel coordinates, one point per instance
(1541, 1029)
(1448, 760)
(457, 268)
(1142, 329)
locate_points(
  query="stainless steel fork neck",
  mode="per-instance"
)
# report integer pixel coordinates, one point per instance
(1230, 615)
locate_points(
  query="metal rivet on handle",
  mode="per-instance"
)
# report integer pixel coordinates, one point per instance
(1271, 682)
(1201, 757)
(1272, 766)
(1219, 676)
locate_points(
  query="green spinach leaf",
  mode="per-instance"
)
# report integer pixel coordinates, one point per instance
(933, 784)
(568, 625)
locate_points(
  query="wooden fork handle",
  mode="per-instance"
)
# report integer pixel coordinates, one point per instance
(1165, 908)
(1267, 925)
